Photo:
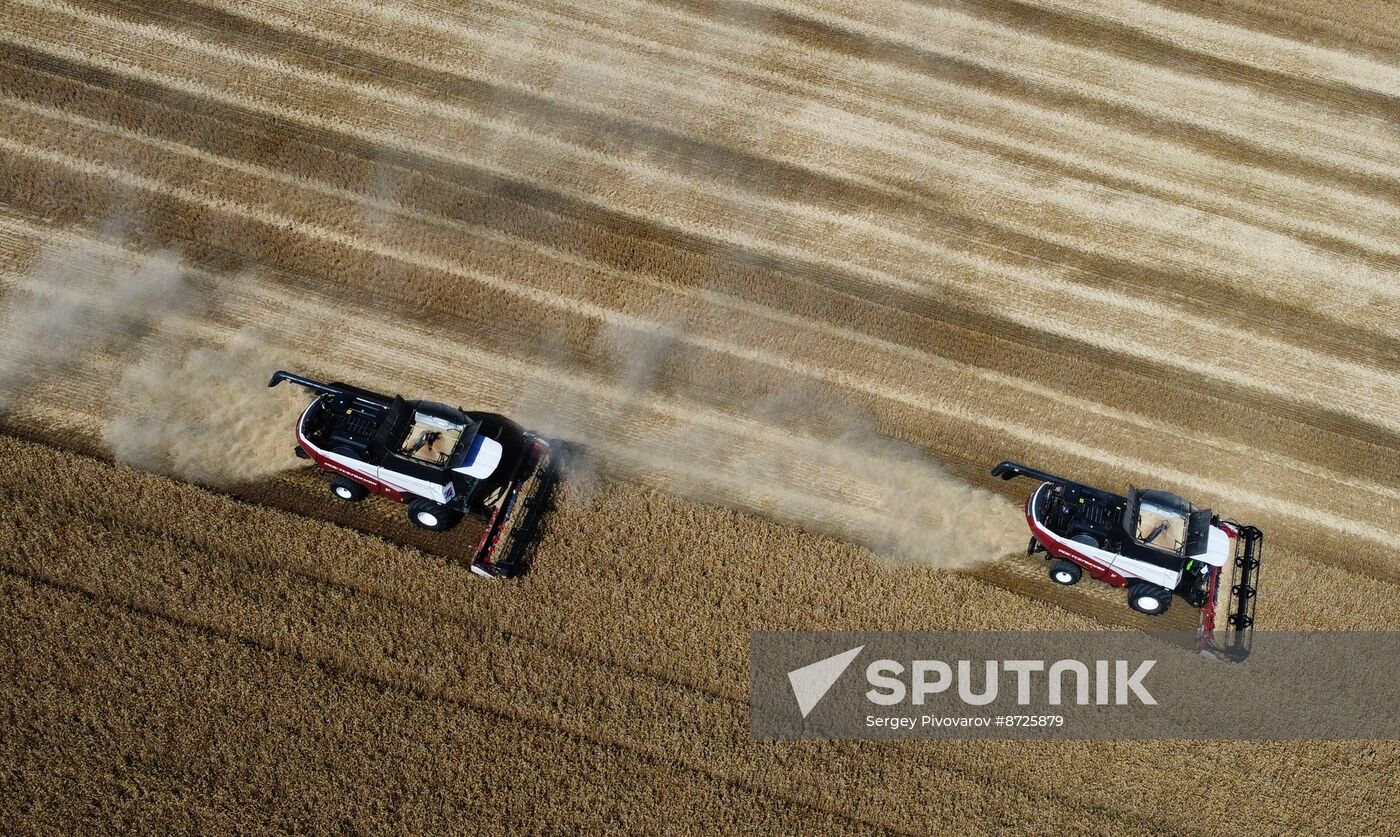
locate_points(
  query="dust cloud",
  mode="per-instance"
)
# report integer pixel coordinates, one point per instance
(189, 401)
(792, 457)
(204, 413)
(76, 303)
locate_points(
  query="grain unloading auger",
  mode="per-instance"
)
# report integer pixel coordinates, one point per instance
(1155, 544)
(443, 463)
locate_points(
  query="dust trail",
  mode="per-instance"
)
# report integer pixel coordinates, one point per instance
(791, 457)
(193, 408)
(76, 303)
(204, 413)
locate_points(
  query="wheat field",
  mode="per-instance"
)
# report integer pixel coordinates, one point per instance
(794, 275)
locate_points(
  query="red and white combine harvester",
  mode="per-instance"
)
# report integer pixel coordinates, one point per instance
(441, 462)
(1155, 544)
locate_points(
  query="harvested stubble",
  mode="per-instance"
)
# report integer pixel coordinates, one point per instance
(1147, 242)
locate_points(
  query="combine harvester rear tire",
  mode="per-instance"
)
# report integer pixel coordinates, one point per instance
(347, 489)
(1065, 572)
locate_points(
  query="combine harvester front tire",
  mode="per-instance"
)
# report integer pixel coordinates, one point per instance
(435, 517)
(1148, 598)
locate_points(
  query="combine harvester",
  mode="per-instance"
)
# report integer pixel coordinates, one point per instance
(1155, 544)
(441, 462)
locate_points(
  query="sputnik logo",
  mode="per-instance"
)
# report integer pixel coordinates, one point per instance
(811, 682)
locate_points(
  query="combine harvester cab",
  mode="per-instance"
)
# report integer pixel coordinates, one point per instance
(1155, 544)
(443, 463)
